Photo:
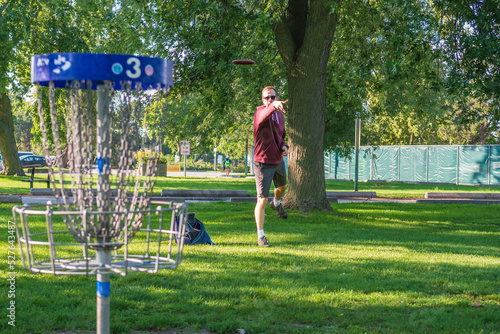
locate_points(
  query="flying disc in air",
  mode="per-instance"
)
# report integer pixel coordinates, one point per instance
(243, 62)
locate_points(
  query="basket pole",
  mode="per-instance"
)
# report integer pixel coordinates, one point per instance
(103, 291)
(103, 256)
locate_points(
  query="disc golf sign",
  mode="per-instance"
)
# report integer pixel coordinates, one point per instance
(61, 68)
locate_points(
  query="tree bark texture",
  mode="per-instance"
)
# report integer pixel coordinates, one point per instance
(8, 148)
(304, 37)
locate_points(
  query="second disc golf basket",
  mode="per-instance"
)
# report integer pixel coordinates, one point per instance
(102, 220)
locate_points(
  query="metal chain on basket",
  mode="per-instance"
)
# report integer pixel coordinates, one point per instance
(70, 222)
(104, 139)
(151, 169)
(124, 161)
(138, 201)
(100, 222)
(86, 135)
(43, 127)
(105, 228)
(77, 190)
(69, 131)
(57, 142)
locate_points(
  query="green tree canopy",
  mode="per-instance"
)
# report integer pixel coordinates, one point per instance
(415, 72)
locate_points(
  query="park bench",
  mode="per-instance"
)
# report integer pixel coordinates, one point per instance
(32, 179)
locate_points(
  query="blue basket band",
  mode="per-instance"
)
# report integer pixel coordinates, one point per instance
(103, 289)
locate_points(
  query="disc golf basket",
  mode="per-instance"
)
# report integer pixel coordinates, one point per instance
(100, 222)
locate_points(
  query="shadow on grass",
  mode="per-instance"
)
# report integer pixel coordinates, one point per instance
(274, 294)
(457, 229)
(365, 267)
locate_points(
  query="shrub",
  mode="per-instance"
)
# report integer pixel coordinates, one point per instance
(143, 155)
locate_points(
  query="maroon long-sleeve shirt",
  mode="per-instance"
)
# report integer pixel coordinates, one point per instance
(269, 135)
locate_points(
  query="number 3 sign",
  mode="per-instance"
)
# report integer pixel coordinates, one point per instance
(63, 67)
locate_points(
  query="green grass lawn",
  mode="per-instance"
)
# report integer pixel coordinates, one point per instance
(363, 268)
(14, 186)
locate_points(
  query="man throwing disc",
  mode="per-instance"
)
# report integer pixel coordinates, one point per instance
(270, 147)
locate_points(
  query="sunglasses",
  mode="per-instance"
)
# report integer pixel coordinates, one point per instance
(272, 97)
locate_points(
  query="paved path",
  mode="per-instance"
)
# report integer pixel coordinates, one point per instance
(338, 197)
(44, 199)
(208, 174)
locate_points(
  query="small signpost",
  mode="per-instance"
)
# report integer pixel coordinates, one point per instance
(357, 140)
(185, 150)
(215, 158)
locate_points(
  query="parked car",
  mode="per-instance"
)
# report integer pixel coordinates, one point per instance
(22, 153)
(50, 160)
(28, 161)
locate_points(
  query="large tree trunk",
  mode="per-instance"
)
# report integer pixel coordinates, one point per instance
(304, 37)
(8, 148)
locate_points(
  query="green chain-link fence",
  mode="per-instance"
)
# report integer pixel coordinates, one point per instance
(468, 164)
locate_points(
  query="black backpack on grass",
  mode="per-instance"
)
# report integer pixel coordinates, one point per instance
(195, 234)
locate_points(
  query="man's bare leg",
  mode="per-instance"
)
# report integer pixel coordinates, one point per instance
(279, 192)
(276, 202)
(260, 214)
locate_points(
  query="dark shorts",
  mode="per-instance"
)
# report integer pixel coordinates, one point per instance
(267, 173)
